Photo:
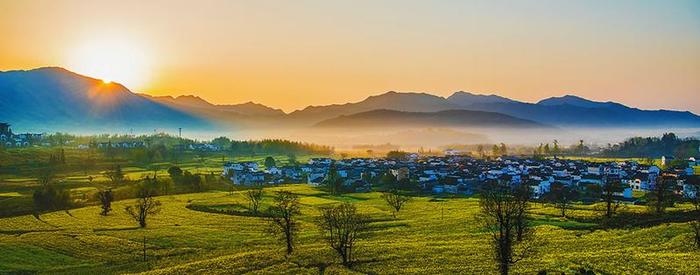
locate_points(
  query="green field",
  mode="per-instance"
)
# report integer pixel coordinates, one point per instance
(84, 172)
(429, 236)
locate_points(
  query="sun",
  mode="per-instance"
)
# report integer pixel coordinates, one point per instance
(112, 60)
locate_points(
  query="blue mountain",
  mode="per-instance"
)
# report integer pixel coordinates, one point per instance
(52, 98)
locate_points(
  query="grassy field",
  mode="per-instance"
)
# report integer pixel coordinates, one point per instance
(20, 166)
(429, 236)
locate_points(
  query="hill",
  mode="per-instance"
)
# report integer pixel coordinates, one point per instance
(196, 104)
(408, 102)
(449, 118)
(57, 99)
(568, 111)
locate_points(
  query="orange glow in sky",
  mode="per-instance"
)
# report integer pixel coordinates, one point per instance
(290, 54)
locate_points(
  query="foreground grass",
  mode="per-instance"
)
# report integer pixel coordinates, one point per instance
(428, 237)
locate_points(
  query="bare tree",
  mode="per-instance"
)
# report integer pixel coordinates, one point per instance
(395, 200)
(115, 174)
(522, 194)
(562, 197)
(105, 197)
(145, 205)
(661, 195)
(254, 197)
(342, 225)
(283, 217)
(608, 190)
(46, 175)
(500, 210)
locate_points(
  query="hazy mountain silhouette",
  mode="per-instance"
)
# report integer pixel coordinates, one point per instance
(57, 99)
(192, 102)
(449, 118)
(569, 110)
(409, 102)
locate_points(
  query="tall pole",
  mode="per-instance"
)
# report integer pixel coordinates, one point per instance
(144, 248)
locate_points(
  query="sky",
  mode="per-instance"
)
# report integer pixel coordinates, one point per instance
(290, 54)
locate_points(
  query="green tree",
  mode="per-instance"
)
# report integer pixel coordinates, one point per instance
(333, 182)
(269, 162)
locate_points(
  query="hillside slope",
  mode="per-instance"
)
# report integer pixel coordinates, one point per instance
(57, 99)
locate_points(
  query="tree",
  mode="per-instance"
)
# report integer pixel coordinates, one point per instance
(269, 162)
(562, 197)
(495, 150)
(292, 159)
(555, 149)
(333, 182)
(254, 197)
(501, 209)
(105, 197)
(503, 150)
(146, 205)
(608, 190)
(46, 175)
(283, 217)
(661, 195)
(399, 155)
(342, 225)
(175, 173)
(480, 151)
(388, 180)
(50, 198)
(522, 195)
(115, 174)
(395, 200)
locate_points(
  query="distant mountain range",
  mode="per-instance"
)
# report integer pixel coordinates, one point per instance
(57, 99)
(568, 110)
(451, 118)
(51, 98)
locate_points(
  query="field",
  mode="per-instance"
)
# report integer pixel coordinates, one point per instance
(84, 171)
(429, 236)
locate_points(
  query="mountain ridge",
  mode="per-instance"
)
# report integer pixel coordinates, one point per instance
(449, 118)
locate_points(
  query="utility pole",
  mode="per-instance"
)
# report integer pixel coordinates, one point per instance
(144, 248)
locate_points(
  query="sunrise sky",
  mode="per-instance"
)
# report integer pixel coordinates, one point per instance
(290, 54)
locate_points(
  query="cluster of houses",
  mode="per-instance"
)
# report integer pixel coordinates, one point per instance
(464, 175)
(9, 139)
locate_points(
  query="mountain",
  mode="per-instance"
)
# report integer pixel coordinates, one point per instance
(567, 111)
(449, 118)
(573, 111)
(189, 102)
(410, 102)
(578, 101)
(56, 99)
(465, 98)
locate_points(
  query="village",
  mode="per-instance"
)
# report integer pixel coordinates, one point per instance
(464, 175)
